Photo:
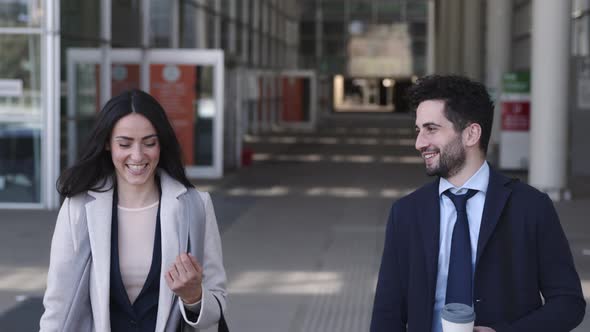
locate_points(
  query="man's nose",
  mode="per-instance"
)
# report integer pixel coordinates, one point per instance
(420, 142)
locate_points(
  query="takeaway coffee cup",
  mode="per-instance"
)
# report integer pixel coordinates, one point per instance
(457, 317)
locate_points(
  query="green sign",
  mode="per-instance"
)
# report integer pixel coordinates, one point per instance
(516, 82)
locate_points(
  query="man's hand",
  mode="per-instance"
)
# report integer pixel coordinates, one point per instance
(184, 278)
(483, 329)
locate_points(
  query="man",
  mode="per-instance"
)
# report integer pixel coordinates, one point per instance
(520, 274)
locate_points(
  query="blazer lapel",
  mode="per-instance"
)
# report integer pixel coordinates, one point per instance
(430, 230)
(496, 198)
(174, 238)
(99, 213)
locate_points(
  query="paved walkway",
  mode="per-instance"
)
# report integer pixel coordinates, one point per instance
(302, 230)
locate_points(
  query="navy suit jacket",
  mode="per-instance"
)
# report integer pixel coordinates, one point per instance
(523, 257)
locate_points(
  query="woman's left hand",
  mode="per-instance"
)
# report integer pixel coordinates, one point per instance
(184, 278)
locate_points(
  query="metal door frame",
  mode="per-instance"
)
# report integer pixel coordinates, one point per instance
(313, 85)
(144, 58)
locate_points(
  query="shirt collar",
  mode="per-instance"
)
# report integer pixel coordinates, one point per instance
(478, 181)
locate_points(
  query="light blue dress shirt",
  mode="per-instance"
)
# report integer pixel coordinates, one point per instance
(448, 215)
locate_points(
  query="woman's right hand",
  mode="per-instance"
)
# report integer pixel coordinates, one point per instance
(185, 277)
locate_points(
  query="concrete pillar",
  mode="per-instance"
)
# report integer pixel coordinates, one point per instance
(174, 23)
(231, 38)
(550, 52)
(455, 53)
(498, 46)
(255, 32)
(264, 35)
(105, 47)
(580, 42)
(272, 34)
(319, 22)
(201, 28)
(442, 36)
(145, 43)
(472, 39)
(245, 31)
(431, 38)
(217, 27)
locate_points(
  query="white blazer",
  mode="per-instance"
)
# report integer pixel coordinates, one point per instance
(77, 295)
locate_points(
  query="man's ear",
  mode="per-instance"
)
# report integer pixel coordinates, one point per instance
(472, 134)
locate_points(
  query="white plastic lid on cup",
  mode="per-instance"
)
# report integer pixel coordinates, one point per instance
(458, 313)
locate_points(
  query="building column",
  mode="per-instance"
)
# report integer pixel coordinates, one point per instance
(246, 32)
(580, 45)
(550, 51)
(472, 39)
(255, 33)
(431, 38)
(217, 19)
(442, 22)
(201, 28)
(264, 28)
(455, 55)
(231, 34)
(498, 45)
(105, 65)
(319, 42)
(174, 24)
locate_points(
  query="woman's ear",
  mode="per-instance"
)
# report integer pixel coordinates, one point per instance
(472, 134)
(107, 146)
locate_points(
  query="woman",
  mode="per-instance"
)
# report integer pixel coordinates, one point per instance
(132, 232)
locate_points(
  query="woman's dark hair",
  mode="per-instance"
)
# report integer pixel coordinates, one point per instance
(466, 102)
(95, 165)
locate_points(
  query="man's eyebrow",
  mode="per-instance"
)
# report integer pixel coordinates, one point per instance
(429, 124)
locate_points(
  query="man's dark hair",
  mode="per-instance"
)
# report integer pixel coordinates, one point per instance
(466, 102)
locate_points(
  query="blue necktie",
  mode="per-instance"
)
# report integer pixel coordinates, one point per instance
(459, 282)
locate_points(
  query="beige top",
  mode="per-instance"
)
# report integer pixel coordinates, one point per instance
(137, 229)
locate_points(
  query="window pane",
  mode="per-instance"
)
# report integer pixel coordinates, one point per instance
(186, 93)
(20, 13)
(20, 118)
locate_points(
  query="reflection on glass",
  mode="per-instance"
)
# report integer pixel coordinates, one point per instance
(20, 155)
(20, 65)
(20, 119)
(20, 13)
(186, 93)
(204, 116)
(123, 77)
(80, 123)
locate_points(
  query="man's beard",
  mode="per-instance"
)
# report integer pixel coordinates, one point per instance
(451, 159)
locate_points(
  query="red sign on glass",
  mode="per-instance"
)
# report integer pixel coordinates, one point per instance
(174, 87)
(124, 77)
(516, 115)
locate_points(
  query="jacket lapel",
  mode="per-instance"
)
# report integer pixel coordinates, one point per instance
(430, 230)
(174, 238)
(99, 213)
(496, 198)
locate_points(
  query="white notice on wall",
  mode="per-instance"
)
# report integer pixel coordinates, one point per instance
(11, 88)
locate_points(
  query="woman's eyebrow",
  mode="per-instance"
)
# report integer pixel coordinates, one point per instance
(131, 138)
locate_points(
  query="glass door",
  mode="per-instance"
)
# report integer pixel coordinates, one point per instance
(21, 119)
(299, 99)
(188, 84)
